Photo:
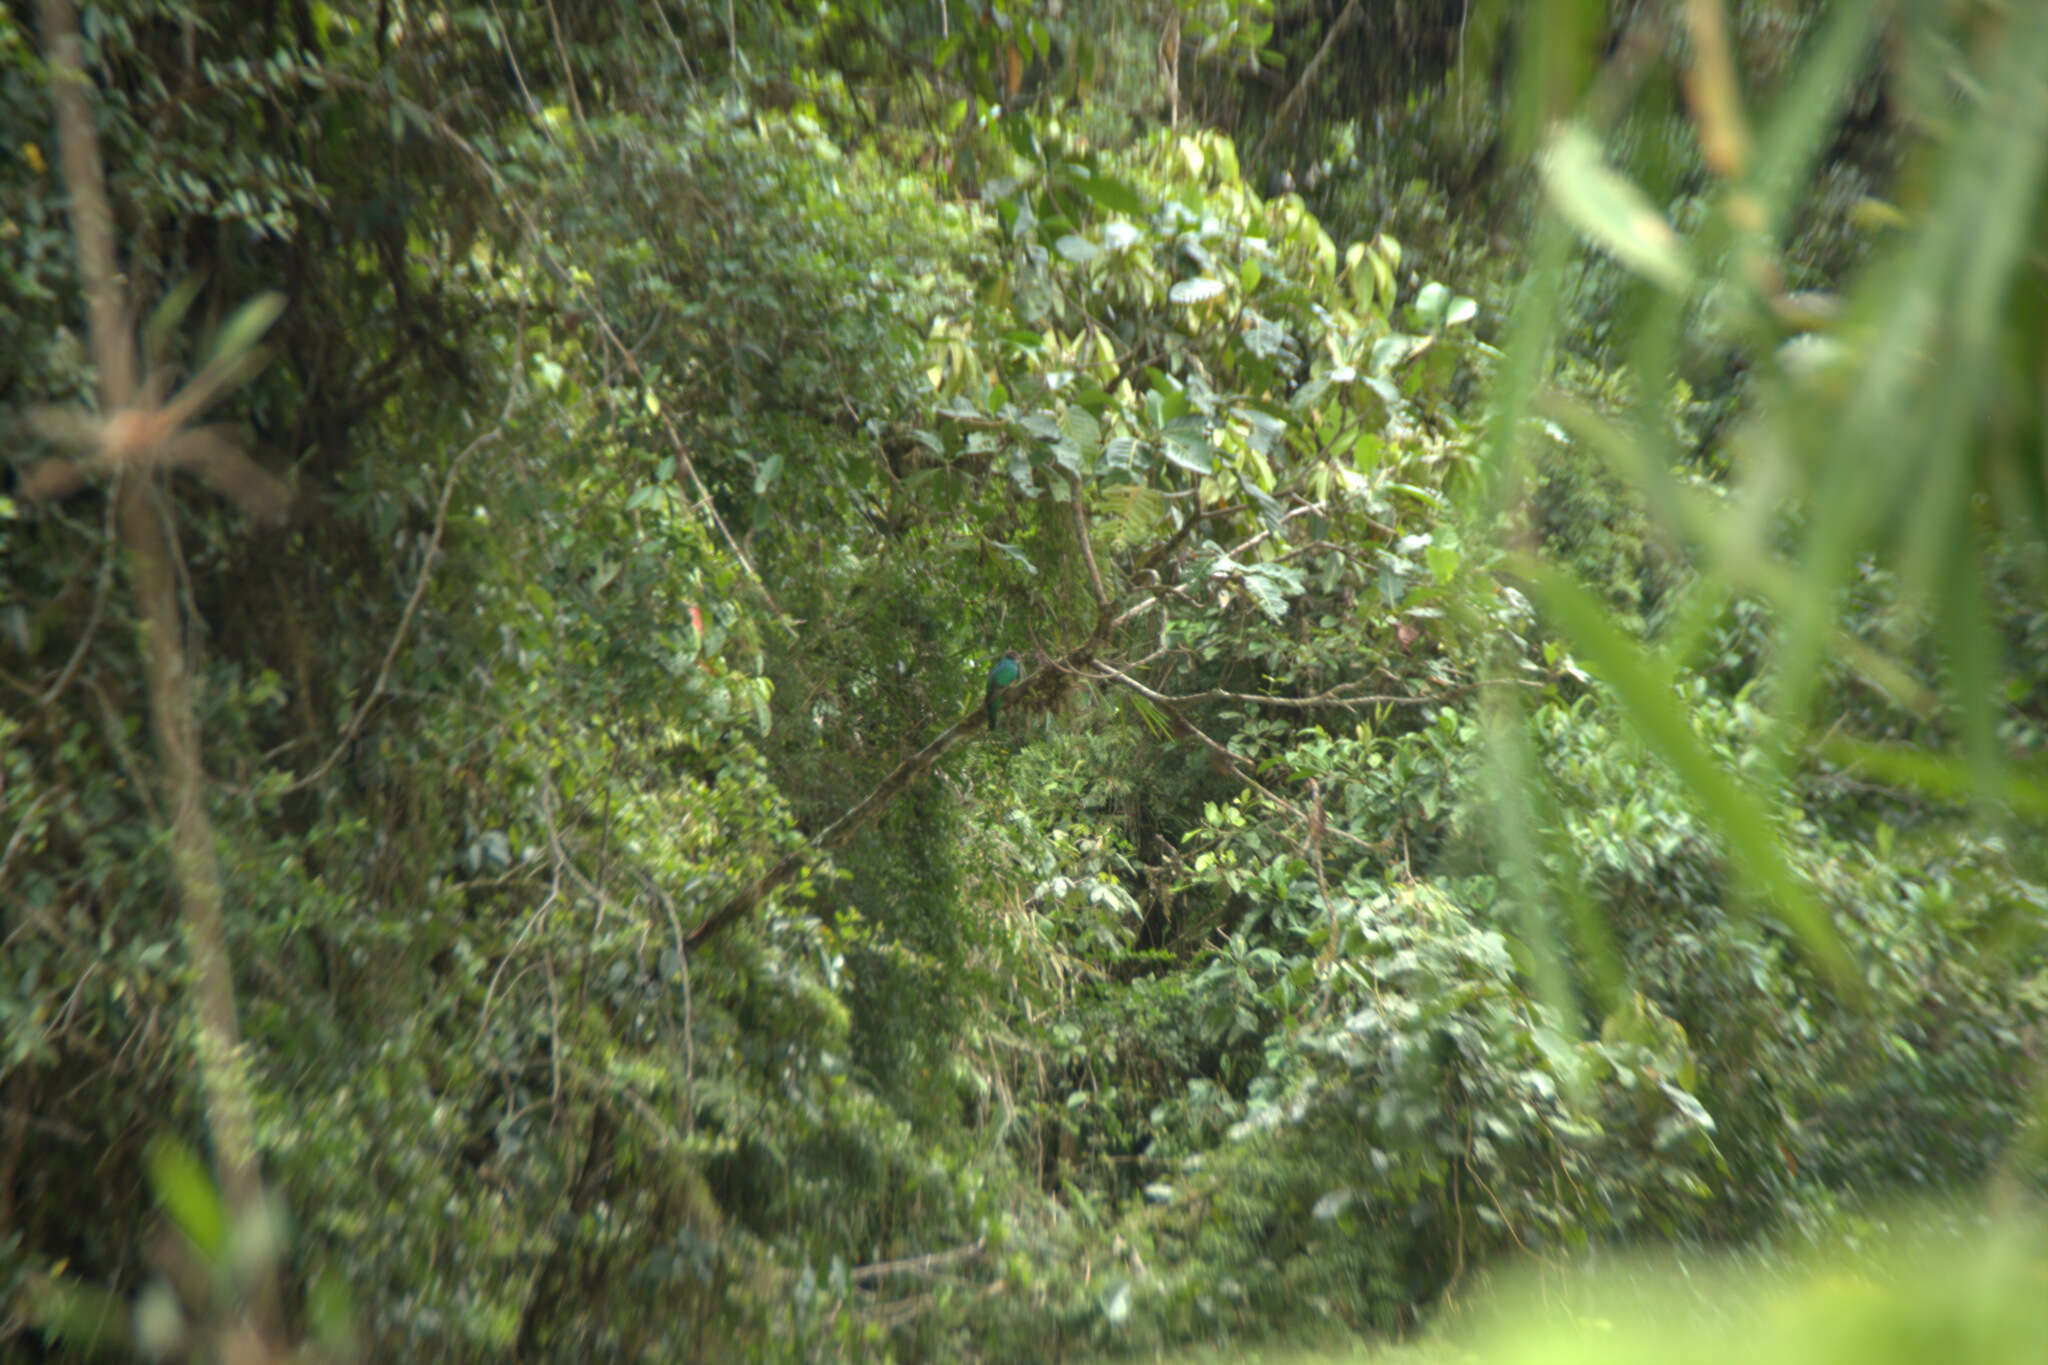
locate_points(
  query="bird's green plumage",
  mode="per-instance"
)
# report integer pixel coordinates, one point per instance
(1004, 674)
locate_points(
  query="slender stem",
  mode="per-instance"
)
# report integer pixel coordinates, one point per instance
(139, 515)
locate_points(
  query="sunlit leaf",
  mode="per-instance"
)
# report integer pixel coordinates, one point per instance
(1186, 443)
(1079, 250)
(186, 1190)
(1112, 194)
(246, 327)
(1609, 209)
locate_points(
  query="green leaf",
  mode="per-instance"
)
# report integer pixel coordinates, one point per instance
(1017, 555)
(1643, 684)
(1936, 775)
(1443, 562)
(1431, 304)
(1079, 250)
(1271, 585)
(172, 310)
(247, 327)
(1390, 351)
(186, 1190)
(1186, 444)
(1610, 210)
(1079, 426)
(72, 1313)
(1112, 194)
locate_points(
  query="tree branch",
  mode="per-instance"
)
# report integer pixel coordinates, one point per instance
(1232, 762)
(1291, 106)
(836, 834)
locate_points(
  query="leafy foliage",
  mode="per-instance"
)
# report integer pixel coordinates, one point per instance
(1415, 844)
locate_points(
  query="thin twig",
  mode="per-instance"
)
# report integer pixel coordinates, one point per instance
(1238, 766)
(1291, 106)
(405, 620)
(917, 1265)
(484, 1015)
(568, 70)
(660, 8)
(99, 604)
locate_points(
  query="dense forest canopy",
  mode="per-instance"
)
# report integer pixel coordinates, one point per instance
(1014, 679)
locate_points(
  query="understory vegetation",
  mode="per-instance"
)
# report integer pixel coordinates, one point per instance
(1522, 527)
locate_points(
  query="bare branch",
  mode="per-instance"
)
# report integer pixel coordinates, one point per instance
(917, 1265)
(1078, 506)
(405, 619)
(1341, 697)
(50, 480)
(1232, 762)
(92, 219)
(1291, 106)
(99, 606)
(835, 835)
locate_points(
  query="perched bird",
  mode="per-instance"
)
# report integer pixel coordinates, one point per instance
(1004, 674)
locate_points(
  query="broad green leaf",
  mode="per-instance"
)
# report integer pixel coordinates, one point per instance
(1112, 194)
(1271, 585)
(1311, 394)
(1136, 513)
(185, 1188)
(1077, 249)
(1080, 427)
(1118, 235)
(1186, 444)
(1390, 351)
(1431, 304)
(1609, 209)
(1443, 562)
